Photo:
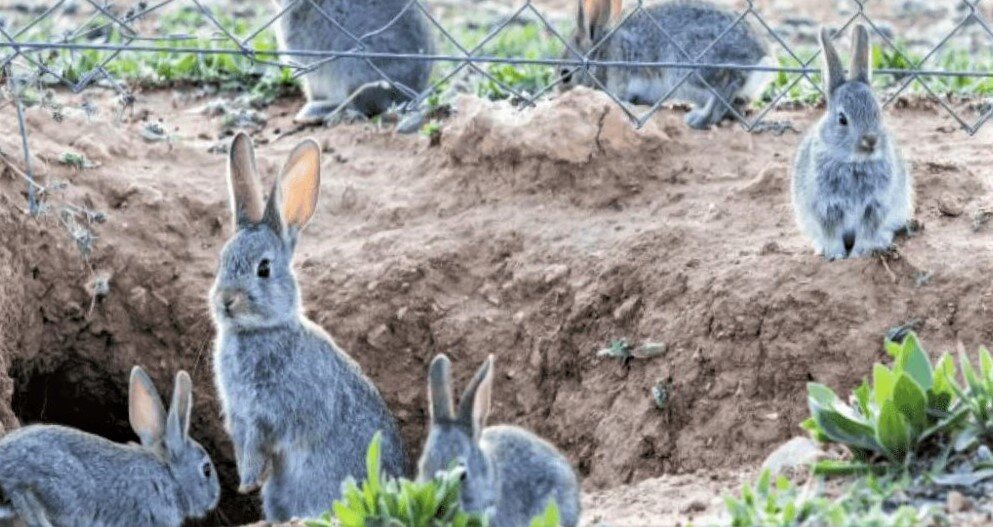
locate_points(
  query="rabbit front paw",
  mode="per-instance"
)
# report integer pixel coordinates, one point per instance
(253, 474)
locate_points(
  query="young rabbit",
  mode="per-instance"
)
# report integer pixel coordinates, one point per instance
(383, 26)
(851, 188)
(299, 410)
(693, 26)
(53, 476)
(510, 474)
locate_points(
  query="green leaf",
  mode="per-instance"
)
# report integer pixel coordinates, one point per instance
(893, 432)
(985, 363)
(883, 381)
(914, 361)
(822, 394)
(842, 429)
(909, 398)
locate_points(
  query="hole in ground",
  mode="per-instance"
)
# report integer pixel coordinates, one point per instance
(88, 396)
(78, 394)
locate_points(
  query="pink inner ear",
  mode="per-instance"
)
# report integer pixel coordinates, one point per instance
(300, 187)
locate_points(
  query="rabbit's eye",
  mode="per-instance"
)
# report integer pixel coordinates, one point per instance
(842, 120)
(463, 476)
(263, 270)
(207, 470)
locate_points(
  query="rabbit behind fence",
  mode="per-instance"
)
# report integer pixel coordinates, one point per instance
(697, 28)
(364, 26)
(851, 188)
(299, 410)
(54, 476)
(509, 473)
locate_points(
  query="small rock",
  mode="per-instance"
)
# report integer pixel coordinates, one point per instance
(950, 206)
(795, 453)
(626, 309)
(694, 506)
(956, 502)
(554, 273)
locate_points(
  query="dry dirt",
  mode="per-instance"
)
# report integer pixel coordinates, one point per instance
(538, 236)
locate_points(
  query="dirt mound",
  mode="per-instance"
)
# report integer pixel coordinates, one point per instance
(538, 235)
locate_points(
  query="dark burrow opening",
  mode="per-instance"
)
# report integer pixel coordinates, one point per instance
(91, 397)
(77, 394)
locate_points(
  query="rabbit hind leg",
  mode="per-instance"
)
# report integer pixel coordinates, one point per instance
(29, 509)
(716, 107)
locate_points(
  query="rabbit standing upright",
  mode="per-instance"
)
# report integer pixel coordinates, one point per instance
(509, 473)
(851, 188)
(299, 410)
(54, 476)
(362, 26)
(699, 32)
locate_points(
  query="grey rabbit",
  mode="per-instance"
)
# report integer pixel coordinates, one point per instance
(642, 37)
(54, 476)
(510, 474)
(851, 188)
(382, 26)
(299, 410)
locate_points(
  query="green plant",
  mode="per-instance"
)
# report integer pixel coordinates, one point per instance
(398, 502)
(975, 400)
(77, 161)
(897, 415)
(549, 518)
(780, 503)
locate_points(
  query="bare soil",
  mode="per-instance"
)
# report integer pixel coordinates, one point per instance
(536, 235)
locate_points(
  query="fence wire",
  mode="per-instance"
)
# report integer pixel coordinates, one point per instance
(26, 60)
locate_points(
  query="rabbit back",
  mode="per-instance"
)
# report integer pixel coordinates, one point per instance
(305, 27)
(692, 26)
(316, 408)
(530, 472)
(83, 479)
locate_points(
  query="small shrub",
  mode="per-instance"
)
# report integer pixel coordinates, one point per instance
(388, 502)
(398, 502)
(897, 415)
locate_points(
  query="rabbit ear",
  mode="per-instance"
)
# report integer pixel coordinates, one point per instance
(861, 70)
(145, 411)
(474, 407)
(834, 75)
(581, 15)
(244, 183)
(598, 14)
(294, 195)
(440, 389)
(178, 427)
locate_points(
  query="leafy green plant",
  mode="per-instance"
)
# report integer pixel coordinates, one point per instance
(897, 415)
(549, 518)
(779, 503)
(398, 502)
(975, 400)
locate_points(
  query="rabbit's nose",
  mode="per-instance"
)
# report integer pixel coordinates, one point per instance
(868, 142)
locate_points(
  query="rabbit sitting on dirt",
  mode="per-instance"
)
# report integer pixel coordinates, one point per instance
(299, 410)
(644, 36)
(510, 473)
(334, 25)
(53, 476)
(851, 188)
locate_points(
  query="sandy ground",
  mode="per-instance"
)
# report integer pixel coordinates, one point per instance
(538, 236)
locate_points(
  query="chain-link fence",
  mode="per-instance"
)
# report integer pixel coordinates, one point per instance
(74, 45)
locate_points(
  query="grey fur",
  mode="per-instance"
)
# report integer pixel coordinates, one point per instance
(851, 188)
(54, 476)
(299, 410)
(693, 25)
(308, 28)
(510, 473)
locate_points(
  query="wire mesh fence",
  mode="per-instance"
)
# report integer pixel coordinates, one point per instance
(77, 45)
